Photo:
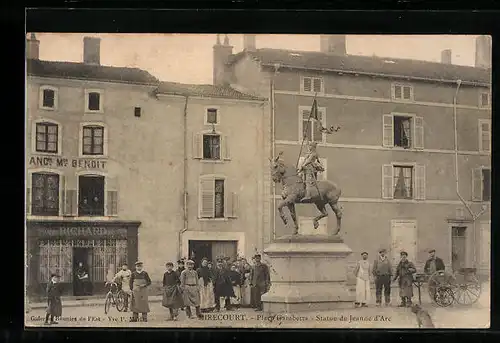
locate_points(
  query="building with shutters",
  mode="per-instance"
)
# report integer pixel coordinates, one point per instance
(226, 154)
(121, 167)
(395, 154)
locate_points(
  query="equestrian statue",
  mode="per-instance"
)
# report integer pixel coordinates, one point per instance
(300, 185)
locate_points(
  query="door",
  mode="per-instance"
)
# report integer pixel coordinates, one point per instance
(198, 250)
(403, 237)
(458, 247)
(225, 248)
(80, 255)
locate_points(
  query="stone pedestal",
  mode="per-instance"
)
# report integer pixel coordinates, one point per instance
(308, 273)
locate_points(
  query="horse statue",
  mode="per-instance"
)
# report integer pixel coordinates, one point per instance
(325, 193)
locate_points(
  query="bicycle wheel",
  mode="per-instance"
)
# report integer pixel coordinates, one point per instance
(107, 303)
(120, 301)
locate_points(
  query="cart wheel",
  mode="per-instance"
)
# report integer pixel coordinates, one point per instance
(444, 296)
(120, 301)
(107, 303)
(439, 278)
(468, 290)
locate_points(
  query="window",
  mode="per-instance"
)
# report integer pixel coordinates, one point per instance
(45, 194)
(211, 147)
(93, 101)
(46, 137)
(137, 112)
(311, 129)
(322, 176)
(402, 92)
(91, 195)
(211, 116)
(312, 85)
(215, 200)
(48, 98)
(403, 181)
(484, 99)
(93, 140)
(481, 184)
(484, 126)
(403, 130)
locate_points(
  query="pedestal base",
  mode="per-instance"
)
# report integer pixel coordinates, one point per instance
(307, 274)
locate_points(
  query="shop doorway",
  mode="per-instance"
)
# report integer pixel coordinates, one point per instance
(82, 287)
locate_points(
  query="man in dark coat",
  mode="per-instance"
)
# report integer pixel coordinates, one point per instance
(54, 305)
(433, 264)
(172, 297)
(260, 282)
(223, 287)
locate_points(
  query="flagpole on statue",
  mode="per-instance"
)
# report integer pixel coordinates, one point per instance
(313, 113)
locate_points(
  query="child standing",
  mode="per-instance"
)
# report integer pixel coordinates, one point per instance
(54, 308)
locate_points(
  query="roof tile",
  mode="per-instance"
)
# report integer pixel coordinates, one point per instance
(210, 91)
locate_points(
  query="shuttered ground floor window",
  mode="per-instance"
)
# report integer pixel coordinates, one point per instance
(99, 256)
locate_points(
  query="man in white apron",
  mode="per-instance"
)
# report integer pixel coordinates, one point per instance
(139, 281)
(362, 273)
(123, 278)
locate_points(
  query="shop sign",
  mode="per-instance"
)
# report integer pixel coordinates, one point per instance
(82, 232)
(81, 163)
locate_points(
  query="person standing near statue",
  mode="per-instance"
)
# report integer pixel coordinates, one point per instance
(310, 168)
(362, 273)
(382, 271)
(260, 282)
(404, 272)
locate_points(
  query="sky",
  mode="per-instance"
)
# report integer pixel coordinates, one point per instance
(187, 58)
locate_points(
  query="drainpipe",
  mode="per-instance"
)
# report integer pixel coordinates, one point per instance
(472, 214)
(185, 176)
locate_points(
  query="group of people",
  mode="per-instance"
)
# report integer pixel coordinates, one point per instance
(381, 272)
(236, 284)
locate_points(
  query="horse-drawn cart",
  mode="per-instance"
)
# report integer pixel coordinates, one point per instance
(461, 287)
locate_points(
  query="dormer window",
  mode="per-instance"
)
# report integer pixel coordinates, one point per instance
(48, 98)
(93, 101)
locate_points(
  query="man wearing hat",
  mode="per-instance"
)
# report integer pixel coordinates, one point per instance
(222, 285)
(260, 282)
(433, 264)
(404, 272)
(54, 304)
(139, 281)
(190, 289)
(362, 273)
(382, 272)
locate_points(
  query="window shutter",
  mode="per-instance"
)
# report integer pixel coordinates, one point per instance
(307, 84)
(207, 196)
(28, 201)
(420, 182)
(111, 196)
(419, 133)
(231, 208)
(317, 85)
(62, 194)
(225, 147)
(197, 146)
(477, 184)
(70, 204)
(388, 130)
(406, 93)
(484, 136)
(397, 92)
(387, 181)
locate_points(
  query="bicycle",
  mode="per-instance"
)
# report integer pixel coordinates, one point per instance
(115, 296)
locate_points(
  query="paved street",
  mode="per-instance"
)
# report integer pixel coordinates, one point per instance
(456, 316)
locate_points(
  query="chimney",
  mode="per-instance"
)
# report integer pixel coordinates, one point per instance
(483, 52)
(91, 50)
(32, 47)
(446, 56)
(333, 44)
(249, 42)
(222, 52)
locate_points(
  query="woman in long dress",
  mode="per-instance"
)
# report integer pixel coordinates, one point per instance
(235, 277)
(207, 297)
(246, 291)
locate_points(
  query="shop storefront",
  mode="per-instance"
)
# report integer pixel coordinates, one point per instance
(60, 245)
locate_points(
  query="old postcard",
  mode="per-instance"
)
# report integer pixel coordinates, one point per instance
(259, 181)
